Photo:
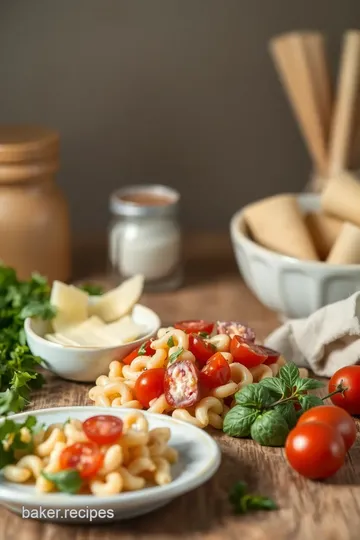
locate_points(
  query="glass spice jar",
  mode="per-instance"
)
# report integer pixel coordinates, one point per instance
(34, 219)
(145, 236)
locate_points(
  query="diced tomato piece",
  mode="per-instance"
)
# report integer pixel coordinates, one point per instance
(200, 349)
(216, 372)
(246, 352)
(144, 349)
(85, 457)
(195, 327)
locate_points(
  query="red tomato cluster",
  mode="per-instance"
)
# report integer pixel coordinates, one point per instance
(86, 457)
(317, 446)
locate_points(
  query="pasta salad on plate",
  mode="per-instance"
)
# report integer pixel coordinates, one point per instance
(191, 371)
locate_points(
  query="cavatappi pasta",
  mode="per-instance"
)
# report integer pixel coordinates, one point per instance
(118, 388)
(135, 458)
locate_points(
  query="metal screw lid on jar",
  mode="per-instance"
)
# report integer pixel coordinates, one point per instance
(145, 201)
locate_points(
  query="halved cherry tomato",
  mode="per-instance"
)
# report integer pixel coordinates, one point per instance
(349, 378)
(103, 428)
(144, 349)
(272, 356)
(315, 450)
(85, 457)
(149, 385)
(216, 372)
(195, 326)
(247, 353)
(200, 349)
(334, 416)
(182, 384)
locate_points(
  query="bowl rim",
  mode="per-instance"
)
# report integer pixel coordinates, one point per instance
(29, 331)
(238, 236)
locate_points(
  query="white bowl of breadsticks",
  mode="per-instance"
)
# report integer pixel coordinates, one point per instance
(300, 252)
(89, 332)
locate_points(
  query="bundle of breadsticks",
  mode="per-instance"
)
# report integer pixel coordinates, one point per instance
(329, 120)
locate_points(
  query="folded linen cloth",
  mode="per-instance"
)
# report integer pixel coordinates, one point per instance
(324, 342)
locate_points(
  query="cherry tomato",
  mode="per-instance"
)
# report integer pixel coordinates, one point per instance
(315, 450)
(181, 385)
(103, 428)
(335, 417)
(272, 356)
(144, 349)
(216, 371)
(85, 457)
(200, 349)
(149, 385)
(349, 400)
(246, 352)
(195, 326)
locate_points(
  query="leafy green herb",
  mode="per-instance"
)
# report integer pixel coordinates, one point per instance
(238, 421)
(175, 355)
(142, 349)
(244, 502)
(204, 335)
(68, 480)
(92, 289)
(271, 406)
(18, 366)
(270, 429)
(253, 395)
(170, 342)
(11, 438)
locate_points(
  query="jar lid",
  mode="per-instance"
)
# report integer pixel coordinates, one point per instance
(144, 201)
(25, 144)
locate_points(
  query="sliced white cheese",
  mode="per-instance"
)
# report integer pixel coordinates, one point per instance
(120, 301)
(61, 340)
(123, 331)
(88, 339)
(71, 305)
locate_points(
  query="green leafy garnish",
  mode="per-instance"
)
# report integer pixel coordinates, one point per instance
(204, 335)
(18, 366)
(170, 342)
(175, 355)
(68, 480)
(244, 502)
(142, 349)
(10, 438)
(267, 410)
(92, 289)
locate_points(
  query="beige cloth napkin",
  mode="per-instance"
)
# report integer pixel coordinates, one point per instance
(324, 342)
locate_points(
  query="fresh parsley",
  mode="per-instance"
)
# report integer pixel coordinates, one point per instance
(244, 502)
(92, 289)
(267, 410)
(68, 480)
(170, 342)
(142, 350)
(18, 366)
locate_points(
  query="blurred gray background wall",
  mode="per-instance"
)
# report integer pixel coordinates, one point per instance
(181, 92)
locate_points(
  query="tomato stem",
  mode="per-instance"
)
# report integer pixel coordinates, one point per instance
(340, 389)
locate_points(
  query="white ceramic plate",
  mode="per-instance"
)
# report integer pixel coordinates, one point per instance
(199, 458)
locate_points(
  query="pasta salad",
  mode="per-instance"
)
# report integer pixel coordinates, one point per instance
(102, 456)
(189, 372)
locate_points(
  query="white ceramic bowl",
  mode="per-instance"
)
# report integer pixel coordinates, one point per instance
(292, 287)
(84, 364)
(199, 459)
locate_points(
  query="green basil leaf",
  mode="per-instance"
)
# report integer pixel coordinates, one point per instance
(68, 480)
(254, 395)
(170, 342)
(270, 429)
(237, 492)
(244, 502)
(175, 355)
(287, 411)
(204, 335)
(308, 402)
(305, 384)
(238, 421)
(289, 374)
(276, 386)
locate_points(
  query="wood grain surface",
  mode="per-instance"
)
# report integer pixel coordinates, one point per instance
(307, 510)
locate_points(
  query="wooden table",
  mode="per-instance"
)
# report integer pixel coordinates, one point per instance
(308, 510)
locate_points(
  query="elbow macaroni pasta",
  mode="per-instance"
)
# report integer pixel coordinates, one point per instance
(139, 456)
(117, 389)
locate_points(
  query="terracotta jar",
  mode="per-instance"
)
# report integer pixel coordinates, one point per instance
(34, 218)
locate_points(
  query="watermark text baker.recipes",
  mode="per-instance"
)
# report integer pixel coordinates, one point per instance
(86, 513)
